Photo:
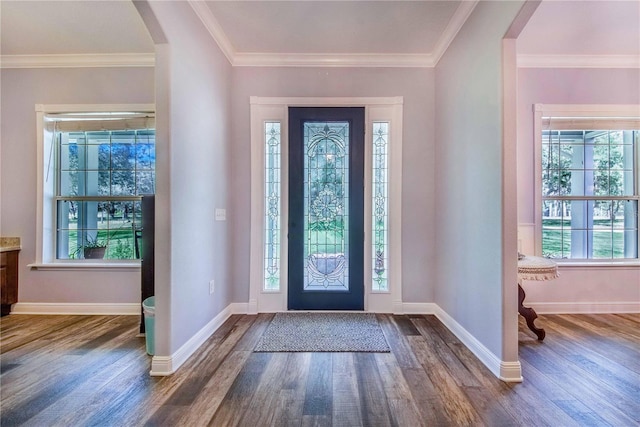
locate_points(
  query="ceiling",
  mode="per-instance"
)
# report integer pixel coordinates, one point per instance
(389, 27)
(72, 27)
(401, 33)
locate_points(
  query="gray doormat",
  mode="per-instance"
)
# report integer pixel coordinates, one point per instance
(323, 332)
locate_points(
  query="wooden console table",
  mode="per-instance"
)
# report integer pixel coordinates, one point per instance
(533, 268)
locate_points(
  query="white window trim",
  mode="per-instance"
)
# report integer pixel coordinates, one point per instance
(265, 109)
(45, 204)
(578, 111)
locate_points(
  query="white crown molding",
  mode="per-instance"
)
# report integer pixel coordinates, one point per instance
(331, 60)
(578, 61)
(90, 60)
(248, 59)
(453, 27)
(215, 29)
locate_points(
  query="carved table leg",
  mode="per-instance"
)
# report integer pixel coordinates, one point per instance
(529, 314)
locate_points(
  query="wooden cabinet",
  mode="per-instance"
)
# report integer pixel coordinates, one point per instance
(8, 280)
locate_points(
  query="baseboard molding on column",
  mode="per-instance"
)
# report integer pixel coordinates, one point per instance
(76, 308)
(506, 371)
(166, 365)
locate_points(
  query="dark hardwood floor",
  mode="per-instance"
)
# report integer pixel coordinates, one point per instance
(93, 370)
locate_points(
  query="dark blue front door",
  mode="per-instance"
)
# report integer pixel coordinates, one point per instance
(326, 207)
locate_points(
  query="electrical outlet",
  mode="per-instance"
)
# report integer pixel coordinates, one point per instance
(212, 286)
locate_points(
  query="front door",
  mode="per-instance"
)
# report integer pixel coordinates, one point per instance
(326, 206)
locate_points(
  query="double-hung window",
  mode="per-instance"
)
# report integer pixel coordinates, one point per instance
(588, 178)
(97, 166)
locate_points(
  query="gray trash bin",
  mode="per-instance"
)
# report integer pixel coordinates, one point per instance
(149, 310)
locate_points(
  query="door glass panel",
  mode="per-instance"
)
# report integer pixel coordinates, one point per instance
(272, 207)
(380, 206)
(326, 205)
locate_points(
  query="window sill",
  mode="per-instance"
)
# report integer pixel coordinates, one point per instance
(87, 266)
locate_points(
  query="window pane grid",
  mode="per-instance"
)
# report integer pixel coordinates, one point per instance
(380, 207)
(590, 199)
(272, 199)
(100, 178)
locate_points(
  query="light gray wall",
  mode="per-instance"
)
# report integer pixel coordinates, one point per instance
(468, 156)
(608, 288)
(416, 86)
(193, 103)
(563, 86)
(21, 90)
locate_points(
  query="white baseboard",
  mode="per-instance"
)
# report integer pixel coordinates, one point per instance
(76, 308)
(584, 307)
(419, 308)
(167, 365)
(506, 371)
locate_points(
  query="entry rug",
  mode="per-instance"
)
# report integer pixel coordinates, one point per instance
(323, 332)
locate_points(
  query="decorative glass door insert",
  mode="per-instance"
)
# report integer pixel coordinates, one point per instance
(380, 207)
(272, 206)
(326, 206)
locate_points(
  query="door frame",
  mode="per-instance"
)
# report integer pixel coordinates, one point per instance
(265, 109)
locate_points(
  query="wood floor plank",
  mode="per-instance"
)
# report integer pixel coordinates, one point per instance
(445, 356)
(483, 392)
(404, 325)
(239, 396)
(292, 395)
(83, 371)
(214, 350)
(398, 343)
(204, 408)
(262, 408)
(373, 403)
(54, 363)
(346, 398)
(582, 386)
(13, 338)
(596, 325)
(318, 395)
(456, 404)
(426, 397)
(93, 370)
(619, 363)
(402, 408)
